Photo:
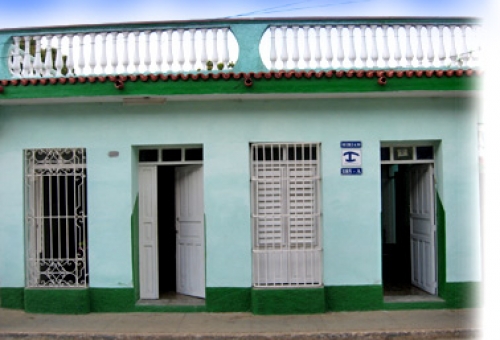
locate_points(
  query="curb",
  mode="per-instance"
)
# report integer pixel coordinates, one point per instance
(382, 335)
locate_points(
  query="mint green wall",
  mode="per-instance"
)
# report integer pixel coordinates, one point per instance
(351, 204)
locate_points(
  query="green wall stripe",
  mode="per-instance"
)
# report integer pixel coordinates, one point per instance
(441, 245)
(57, 301)
(112, 299)
(288, 301)
(354, 298)
(135, 248)
(12, 298)
(237, 86)
(223, 299)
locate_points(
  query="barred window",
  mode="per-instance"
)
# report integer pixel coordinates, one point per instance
(286, 214)
(56, 217)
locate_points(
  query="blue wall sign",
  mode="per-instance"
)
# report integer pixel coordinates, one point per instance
(351, 158)
(351, 171)
(350, 144)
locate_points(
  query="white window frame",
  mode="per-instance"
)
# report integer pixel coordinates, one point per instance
(56, 217)
(286, 214)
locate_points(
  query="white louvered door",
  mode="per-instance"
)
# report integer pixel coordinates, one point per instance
(286, 214)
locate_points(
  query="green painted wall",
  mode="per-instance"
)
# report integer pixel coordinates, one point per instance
(354, 298)
(57, 301)
(237, 86)
(12, 298)
(288, 301)
(223, 299)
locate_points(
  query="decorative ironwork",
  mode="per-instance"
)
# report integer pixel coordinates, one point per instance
(56, 217)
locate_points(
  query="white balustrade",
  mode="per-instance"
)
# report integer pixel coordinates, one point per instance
(391, 46)
(283, 46)
(115, 52)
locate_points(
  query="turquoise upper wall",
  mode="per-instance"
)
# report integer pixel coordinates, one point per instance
(350, 204)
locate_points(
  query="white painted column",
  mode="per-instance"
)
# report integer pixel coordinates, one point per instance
(37, 64)
(340, 47)
(374, 54)
(307, 50)
(363, 54)
(27, 67)
(272, 52)
(317, 53)
(284, 51)
(385, 52)
(16, 58)
(48, 57)
(409, 53)
(81, 55)
(329, 50)
(70, 60)
(125, 59)
(430, 49)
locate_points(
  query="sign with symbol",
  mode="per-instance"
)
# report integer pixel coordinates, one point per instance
(351, 158)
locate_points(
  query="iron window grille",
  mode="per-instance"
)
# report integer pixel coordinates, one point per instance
(56, 217)
(286, 215)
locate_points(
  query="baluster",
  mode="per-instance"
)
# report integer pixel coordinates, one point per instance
(92, 61)
(284, 52)
(453, 50)
(136, 62)
(37, 64)
(170, 55)
(114, 52)
(104, 59)
(48, 57)
(215, 56)
(225, 46)
(340, 48)
(430, 49)
(27, 67)
(409, 53)
(397, 51)
(70, 63)
(192, 53)
(352, 49)
(442, 52)
(272, 54)
(465, 51)
(181, 59)
(307, 51)
(329, 50)
(16, 58)
(364, 54)
(420, 52)
(295, 52)
(374, 54)
(59, 61)
(385, 53)
(81, 55)
(159, 58)
(317, 53)
(125, 60)
(147, 51)
(203, 57)
(475, 56)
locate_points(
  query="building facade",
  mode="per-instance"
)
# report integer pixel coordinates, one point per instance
(261, 187)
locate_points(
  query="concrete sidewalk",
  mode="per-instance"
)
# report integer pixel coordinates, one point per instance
(415, 324)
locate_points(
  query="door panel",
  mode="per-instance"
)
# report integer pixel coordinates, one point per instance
(148, 226)
(422, 228)
(190, 231)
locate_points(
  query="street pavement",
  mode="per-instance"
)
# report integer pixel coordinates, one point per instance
(412, 324)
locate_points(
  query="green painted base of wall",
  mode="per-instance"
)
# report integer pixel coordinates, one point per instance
(12, 298)
(112, 299)
(354, 298)
(57, 301)
(228, 299)
(259, 301)
(462, 294)
(288, 301)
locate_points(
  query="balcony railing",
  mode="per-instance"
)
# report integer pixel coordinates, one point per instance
(257, 45)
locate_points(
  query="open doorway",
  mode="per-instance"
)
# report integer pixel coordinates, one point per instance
(409, 268)
(171, 232)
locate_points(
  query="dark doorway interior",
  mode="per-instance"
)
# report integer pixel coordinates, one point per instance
(166, 230)
(396, 262)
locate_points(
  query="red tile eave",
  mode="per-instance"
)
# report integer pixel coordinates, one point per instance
(246, 76)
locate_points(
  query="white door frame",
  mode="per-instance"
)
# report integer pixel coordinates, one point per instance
(417, 271)
(148, 232)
